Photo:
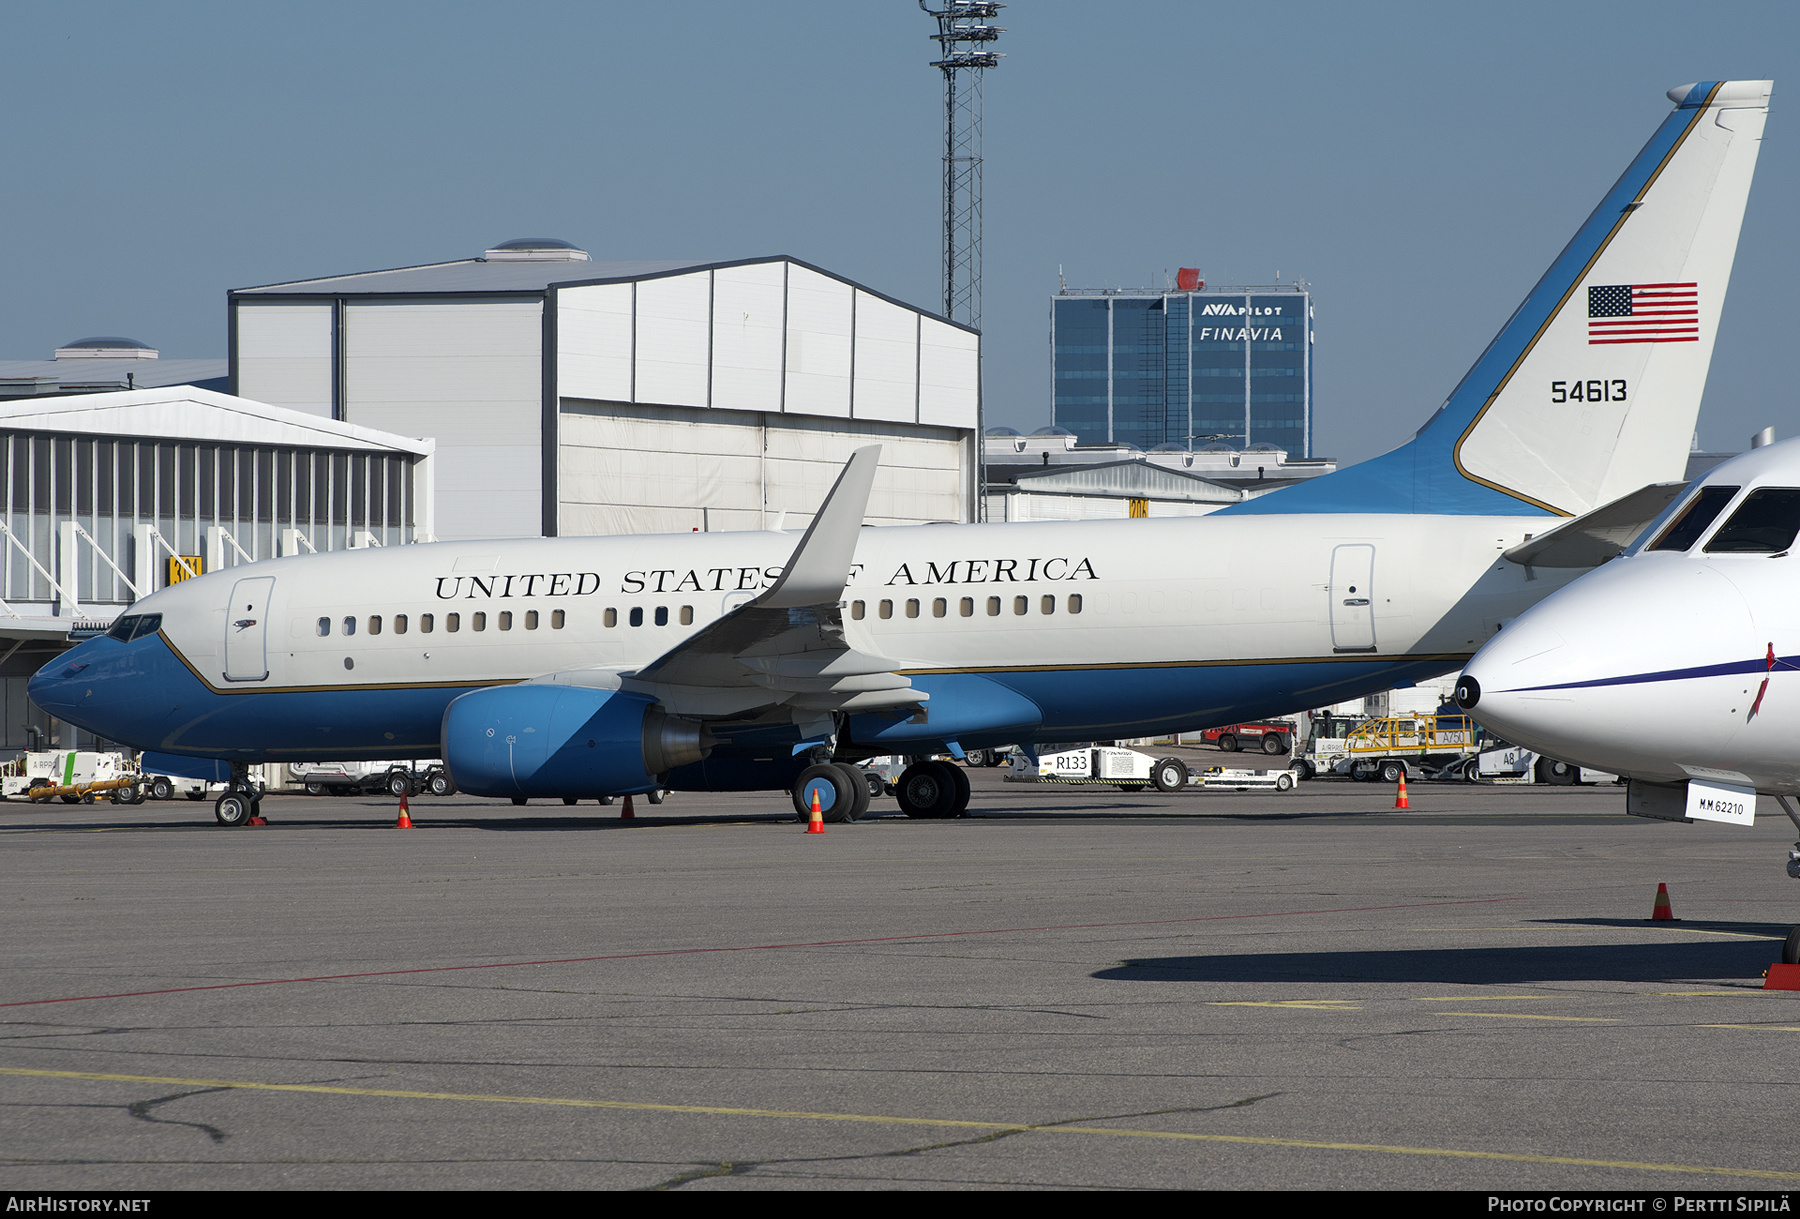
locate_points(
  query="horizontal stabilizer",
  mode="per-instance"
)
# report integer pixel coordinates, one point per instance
(1594, 537)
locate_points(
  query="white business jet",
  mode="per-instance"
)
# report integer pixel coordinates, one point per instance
(586, 667)
(1677, 665)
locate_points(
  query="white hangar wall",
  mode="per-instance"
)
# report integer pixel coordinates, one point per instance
(630, 468)
(674, 395)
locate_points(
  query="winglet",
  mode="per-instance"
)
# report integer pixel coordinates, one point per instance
(820, 565)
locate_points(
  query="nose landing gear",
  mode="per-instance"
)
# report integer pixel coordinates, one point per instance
(242, 802)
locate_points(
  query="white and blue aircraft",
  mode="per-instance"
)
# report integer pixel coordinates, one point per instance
(1675, 665)
(583, 667)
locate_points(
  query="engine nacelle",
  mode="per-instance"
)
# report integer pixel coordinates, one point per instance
(553, 740)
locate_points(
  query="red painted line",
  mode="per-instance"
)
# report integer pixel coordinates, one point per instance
(682, 952)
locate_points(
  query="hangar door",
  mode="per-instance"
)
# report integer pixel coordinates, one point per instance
(1352, 598)
(247, 630)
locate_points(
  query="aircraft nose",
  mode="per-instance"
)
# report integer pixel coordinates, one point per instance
(60, 686)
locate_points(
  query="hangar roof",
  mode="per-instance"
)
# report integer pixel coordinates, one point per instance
(1116, 478)
(182, 412)
(481, 275)
(24, 378)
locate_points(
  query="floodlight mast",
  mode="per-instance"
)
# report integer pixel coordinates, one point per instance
(965, 38)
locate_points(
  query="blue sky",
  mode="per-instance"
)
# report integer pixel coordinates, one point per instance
(1419, 164)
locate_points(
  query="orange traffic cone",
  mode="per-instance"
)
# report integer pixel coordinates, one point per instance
(815, 824)
(626, 812)
(1662, 912)
(405, 822)
(1400, 796)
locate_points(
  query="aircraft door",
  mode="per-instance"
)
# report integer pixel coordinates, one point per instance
(1352, 598)
(247, 629)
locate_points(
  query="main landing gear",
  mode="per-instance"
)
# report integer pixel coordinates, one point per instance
(933, 790)
(842, 793)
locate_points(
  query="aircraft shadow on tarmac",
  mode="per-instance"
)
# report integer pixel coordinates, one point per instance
(1623, 961)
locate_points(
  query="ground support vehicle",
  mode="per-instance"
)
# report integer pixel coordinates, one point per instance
(1246, 780)
(76, 776)
(1517, 764)
(1270, 736)
(373, 778)
(1384, 749)
(1126, 769)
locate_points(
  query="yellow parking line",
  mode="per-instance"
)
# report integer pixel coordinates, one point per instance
(1530, 1016)
(1773, 1028)
(890, 1120)
(1481, 998)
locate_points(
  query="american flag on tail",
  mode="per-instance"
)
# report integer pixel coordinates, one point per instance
(1643, 313)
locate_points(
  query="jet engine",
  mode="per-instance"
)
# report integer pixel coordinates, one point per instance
(553, 740)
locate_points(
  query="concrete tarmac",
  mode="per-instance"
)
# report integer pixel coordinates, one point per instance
(1069, 988)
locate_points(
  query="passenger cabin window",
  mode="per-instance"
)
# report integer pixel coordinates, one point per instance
(662, 615)
(1021, 605)
(912, 607)
(886, 609)
(399, 624)
(1765, 523)
(1048, 604)
(556, 620)
(374, 624)
(939, 607)
(1694, 519)
(856, 610)
(967, 607)
(531, 620)
(350, 626)
(611, 617)
(453, 623)
(687, 615)
(324, 627)
(993, 607)
(425, 623)
(505, 620)
(637, 615)
(1074, 603)
(478, 622)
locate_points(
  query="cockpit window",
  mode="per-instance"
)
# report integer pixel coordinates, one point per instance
(1694, 519)
(1765, 523)
(135, 626)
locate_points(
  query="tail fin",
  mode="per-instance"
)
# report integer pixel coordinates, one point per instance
(1592, 387)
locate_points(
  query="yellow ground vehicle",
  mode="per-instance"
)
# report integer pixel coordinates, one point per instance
(1389, 746)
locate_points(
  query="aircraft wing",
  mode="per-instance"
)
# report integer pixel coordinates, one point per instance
(1594, 537)
(786, 647)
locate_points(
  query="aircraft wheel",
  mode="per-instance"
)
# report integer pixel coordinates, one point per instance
(656, 795)
(234, 808)
(859, 792)
(926, 790)
(832, 786)
(518, 801)
(876, 786)
(1228, 743)
(1391, 772)
(1169, 775)
(1790, 950)
(570, 799)
(1274, 744)
(960, 779)
(606, 799)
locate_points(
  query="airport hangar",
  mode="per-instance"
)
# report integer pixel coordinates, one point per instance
(572, 397)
